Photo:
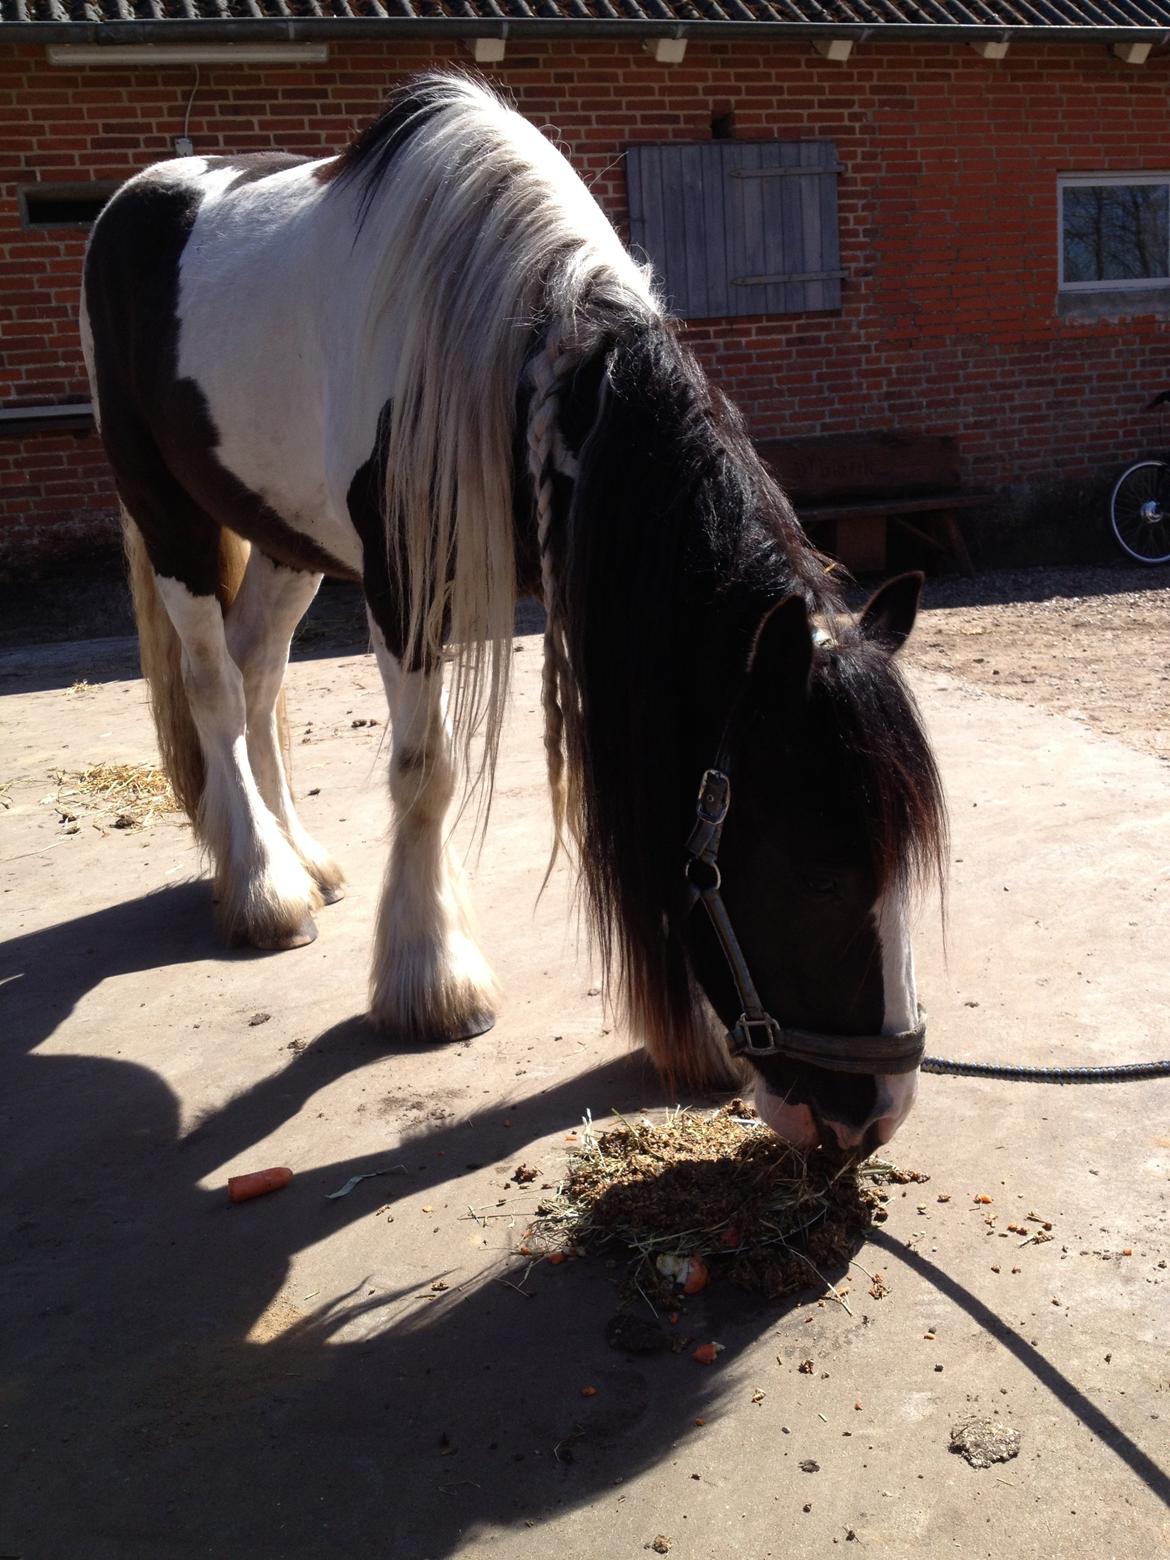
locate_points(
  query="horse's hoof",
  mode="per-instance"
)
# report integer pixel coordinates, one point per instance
(299, 937)
(331, 894)
(475, 1024)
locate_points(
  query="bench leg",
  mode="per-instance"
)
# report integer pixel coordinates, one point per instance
(958, 542)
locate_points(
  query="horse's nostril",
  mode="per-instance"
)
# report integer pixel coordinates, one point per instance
(854, 1141)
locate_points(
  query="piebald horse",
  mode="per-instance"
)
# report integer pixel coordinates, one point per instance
(429, 365)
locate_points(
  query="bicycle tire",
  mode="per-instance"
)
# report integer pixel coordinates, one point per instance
(1139, 511)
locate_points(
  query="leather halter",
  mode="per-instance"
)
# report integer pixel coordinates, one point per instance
(756, 1034)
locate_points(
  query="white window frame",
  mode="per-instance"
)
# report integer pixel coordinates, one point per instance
(1067, 181)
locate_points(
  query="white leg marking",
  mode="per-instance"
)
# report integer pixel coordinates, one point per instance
(260, 623)
(429, 981)
(265, 894)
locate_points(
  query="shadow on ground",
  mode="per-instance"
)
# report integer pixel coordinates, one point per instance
(57, 633)
(160, 1404)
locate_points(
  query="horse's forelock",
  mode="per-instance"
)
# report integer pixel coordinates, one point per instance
(886, 763)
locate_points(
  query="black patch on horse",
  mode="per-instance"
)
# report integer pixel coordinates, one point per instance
(156, 427)
(365, 500)
(254, 166)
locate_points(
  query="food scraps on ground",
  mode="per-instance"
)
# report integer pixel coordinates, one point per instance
(673, 1190)
(130, 794)
(985, 1441)
(256, 1182)
(707, 1353)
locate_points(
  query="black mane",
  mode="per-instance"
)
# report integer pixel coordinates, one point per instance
(679, 541)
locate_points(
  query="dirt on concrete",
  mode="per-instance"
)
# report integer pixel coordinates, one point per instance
(1093, 644)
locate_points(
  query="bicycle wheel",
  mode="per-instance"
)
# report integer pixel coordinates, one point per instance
(1139, 511)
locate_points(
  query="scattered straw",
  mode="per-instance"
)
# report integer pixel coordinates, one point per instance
(717, 1185)
(127, 795)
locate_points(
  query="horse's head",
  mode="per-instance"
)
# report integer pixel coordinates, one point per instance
(835, 810)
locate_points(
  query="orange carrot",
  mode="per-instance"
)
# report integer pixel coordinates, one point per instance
(257, 1182)
(555, 1258)
(707, 1353)
(696, 1276)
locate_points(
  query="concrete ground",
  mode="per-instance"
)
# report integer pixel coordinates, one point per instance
(290, 1378)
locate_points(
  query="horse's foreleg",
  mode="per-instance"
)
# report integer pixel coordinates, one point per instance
(264, 894)
(271, 602)
(429, 981)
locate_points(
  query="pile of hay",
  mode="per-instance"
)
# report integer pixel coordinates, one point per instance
(719, 1187)
(128, 795)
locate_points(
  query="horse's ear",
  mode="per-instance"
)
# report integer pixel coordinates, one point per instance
(781, 655)
(890, 614)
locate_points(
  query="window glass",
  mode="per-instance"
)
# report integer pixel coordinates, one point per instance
(1116, 232)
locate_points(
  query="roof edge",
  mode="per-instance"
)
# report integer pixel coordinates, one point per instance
(516, 29)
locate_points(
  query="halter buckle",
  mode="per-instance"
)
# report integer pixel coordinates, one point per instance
(714, 797)
(741, 1041)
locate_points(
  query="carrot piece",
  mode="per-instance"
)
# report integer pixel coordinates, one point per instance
(707, 1353)
(696, 1276)
(257, 1182)
(555, 1258)
(588, 1391)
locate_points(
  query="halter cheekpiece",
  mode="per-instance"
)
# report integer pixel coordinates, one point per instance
(756, 1034)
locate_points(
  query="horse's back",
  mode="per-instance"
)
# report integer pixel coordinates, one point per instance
(202, 294)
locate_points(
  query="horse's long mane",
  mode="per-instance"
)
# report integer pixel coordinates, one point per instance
(481, 235)
(512, 289)
(677, 544)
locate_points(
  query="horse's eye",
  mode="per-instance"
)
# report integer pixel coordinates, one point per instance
(821, 883)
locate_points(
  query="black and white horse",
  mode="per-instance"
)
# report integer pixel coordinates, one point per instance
(429, 364)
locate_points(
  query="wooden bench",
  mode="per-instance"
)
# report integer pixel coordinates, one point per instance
(855, 486)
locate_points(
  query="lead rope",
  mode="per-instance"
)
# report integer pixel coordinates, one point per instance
(1121, 1072)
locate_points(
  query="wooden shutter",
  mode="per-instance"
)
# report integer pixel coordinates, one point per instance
(738, 227)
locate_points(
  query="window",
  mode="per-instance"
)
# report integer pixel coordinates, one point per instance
(738, 227)
(64, 205)
(1114, 231)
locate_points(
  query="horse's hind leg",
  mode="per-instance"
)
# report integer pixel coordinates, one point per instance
(260, 622)
(430, 981)
(265, 896)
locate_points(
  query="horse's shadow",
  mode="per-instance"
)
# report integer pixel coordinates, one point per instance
(169, 1397)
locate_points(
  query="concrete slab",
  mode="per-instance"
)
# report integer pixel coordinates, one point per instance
(183, 1378)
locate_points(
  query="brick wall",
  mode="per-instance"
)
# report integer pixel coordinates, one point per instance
(948, 227)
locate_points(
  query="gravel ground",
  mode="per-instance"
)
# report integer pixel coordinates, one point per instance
(1092, 643)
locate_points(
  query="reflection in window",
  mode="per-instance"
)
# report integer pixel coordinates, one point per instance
(1115, 233)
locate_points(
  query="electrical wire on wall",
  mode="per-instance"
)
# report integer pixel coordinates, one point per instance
(184, 146)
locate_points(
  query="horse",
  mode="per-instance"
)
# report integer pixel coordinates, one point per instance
(428, 364)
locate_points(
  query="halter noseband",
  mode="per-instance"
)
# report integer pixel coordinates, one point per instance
(756, 1034)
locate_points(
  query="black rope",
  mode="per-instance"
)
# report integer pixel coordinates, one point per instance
(1122, 1072)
